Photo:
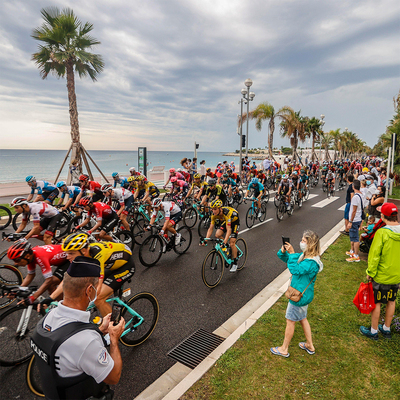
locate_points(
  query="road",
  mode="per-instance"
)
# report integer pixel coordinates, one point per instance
(186, 304)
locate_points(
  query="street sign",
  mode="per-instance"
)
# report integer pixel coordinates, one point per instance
(142, 160)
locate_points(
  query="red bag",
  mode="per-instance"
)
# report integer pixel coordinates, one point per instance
(364, 299)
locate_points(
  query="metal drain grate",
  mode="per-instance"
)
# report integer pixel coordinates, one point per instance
(193, 350)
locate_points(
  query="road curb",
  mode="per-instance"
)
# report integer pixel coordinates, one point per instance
(179, 378)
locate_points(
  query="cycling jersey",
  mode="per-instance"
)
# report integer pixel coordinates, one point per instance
(330, 176)
(43, 186)
(200, 185)
(121, 181)
(93, 186)
(304, 178)
(72, 192)
(170, 209)
(39, 211)
(110, 255)
(46, 257)
(101, 211)
(258, 187)
(178, 175)
(121, 195)
(229, 182)
(285, 186)
(227, 215)
(216, 191)
(182, 185)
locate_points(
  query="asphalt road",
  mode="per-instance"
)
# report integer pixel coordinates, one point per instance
(186, 304)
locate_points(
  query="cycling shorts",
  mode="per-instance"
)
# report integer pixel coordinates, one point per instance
(128, 204)
(117, 277)
(235, 228)
(176, 218)
(50, 224)
(154, 192)
(61, 270)
(110, 223)
(50, 196)
(141, 193)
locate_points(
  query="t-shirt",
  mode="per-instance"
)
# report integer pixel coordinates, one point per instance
(356, 201)
(350, 190)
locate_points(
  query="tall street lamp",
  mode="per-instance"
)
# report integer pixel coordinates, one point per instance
(240, 129)
(248, 96)
(320, 139)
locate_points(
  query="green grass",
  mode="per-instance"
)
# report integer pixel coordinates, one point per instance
(346, 365)
(2, 213)
(395, 193)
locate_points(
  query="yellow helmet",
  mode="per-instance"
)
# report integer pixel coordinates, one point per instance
(216, 204)
(75, 241)
(131, 179)
(196, 176)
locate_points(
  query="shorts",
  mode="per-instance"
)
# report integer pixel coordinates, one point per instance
(234, 226)
(296, 313)
(97, 196)
(50, 224)
(353, 232)
(117, 277)
(128, 204)
(347, 211)
(174, 219)
(110, 223)
(61, 270)
(50, 196)
(141, 193)
(154, 192)
(384, 293)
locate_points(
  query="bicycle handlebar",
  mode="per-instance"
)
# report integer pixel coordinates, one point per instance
(17, 291)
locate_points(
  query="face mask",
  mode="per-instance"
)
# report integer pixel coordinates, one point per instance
(368, 183)
(303, 246)
(91, 302)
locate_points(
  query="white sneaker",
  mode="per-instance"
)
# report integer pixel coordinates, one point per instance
(177, 239)
(233, 268)
(259, 214)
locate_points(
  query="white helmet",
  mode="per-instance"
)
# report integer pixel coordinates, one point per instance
(156, 202)
(132, 169)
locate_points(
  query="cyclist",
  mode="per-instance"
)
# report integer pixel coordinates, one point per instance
(304, 179)
(179, 188)
(285, 188)
(116, 264)
(234, 176)
(120, 180)
(72, 191)
(341, 174)
(258, 191)
(146, 190)
(229, 219)
(295, 180)
(46, 191)
(261, 177)
(330, 179)
(228, 183)
(87, 185)
(106, 217)
(186, 175)
(23, 254)
(214, 192)
(44, 216)
(173, 172)
(172, 214)
(209, 174)
(125, 199)
(197, 184)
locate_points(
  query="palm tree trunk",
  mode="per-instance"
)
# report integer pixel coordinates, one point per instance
(73, 108)
(313, 148)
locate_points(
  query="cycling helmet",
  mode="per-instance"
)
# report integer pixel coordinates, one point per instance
(225, 175)
(106, 187)
(216, 204)
(19, 201)
(132, 169)
(84, 177)
(197, 176)
(61, 183)
(141, 178)
(75, 241)
(325, 167)
(285, 176)
(208, 170)
(172, 170)
(115, 174)
(179, 170)
(85, 201)
(156, 202)
(174, 179)
(30, 178)
(229, 171)
(212, 182)
(19, 249)
(131, 179)
(254, 181)
(294, 172)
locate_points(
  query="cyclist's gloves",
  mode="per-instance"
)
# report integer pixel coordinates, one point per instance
(202, 241)
(46, 302)
(29, 300)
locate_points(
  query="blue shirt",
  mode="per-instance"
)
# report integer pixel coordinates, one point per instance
(258, 187)
(42, 186)
(72, 191)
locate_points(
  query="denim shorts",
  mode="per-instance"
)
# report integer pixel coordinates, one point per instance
(353, 232)
(296, 313)
(347, 211)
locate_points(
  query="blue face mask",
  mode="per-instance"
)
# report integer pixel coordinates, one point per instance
(368, 183)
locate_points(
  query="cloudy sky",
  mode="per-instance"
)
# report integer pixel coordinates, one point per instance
(174, 70)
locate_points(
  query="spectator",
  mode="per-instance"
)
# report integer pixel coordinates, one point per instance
(304, 268)
(72, 359)
(384, 271)
(266, 163)
(349, 196)
(355, 219)
(203, 169)
(75, 173)
(376, 201)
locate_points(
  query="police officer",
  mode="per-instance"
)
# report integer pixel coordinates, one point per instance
(72, 359)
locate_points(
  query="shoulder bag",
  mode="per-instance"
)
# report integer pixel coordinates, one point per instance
(294, 294)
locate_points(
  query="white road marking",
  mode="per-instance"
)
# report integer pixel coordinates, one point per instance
(342, 208)
(255, 226)
(311, 196)
(325, 202)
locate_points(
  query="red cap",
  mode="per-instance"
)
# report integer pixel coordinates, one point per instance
(387, 209)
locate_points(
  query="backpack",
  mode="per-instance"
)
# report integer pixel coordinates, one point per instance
(363, 216)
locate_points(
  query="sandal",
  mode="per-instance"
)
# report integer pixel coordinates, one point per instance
(274, 350)
(302, 345)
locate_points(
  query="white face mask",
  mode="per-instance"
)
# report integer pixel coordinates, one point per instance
(303, 246)
(91, 302)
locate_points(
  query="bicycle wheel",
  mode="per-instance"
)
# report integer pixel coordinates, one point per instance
(9, 276)
(62, 228)
(190, 217)
(250, 217)
(241, 193)
(150, 251)
(14, 347)
(167, 197)
(186, 240)
(138, 231)
(328, 193)
(77, 220)
(266, 196)
(5, 217)
(242, 253)
(126, 238)
(306, 194)
(203, 226)
(146, 305)
(276, 202)
(16, 222)
(213, 269)
(299, 201)
(280, 211)
(263, 211)
(33, 379)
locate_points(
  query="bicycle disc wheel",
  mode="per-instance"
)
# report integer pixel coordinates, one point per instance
(33, 379)
(186, 240)
(14, 347)
(5, 217)
(150, 251)
(242, 253)
(203, 226)
(146, 305)
(190, 217)
(138, 231)
(280, 211)
(213, 269)
(263, 211)
(250, 217)
(9, 276)
(126, 238)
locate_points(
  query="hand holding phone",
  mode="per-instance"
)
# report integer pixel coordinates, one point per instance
(116, 313)
(285, 240)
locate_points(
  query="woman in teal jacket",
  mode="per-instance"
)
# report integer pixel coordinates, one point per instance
(304, 268)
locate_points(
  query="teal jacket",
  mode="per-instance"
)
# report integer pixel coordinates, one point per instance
(302, 271)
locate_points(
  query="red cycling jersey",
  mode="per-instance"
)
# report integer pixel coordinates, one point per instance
(101, 210)
(45, 257)
(92, 185)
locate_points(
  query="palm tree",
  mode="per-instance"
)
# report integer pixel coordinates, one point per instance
(66, 46)
(313, 129)
(326, 141)
(336, 136)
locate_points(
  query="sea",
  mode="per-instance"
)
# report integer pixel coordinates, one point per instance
(15, 165)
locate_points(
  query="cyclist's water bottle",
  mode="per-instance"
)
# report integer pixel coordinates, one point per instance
(166, 237)
(225, 250)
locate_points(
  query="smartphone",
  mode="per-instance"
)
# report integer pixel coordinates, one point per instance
(285, 240)
(116, 313)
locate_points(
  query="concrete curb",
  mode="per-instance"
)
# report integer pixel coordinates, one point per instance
(179, 378)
